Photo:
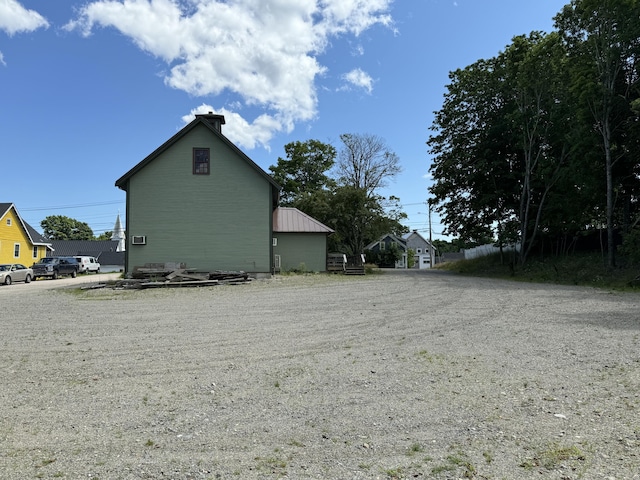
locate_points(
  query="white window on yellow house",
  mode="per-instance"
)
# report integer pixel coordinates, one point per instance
(8, 222)
(35, 252)
(16, 250)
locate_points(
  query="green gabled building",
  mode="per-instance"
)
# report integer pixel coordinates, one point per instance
(299, 241)
(200, 201)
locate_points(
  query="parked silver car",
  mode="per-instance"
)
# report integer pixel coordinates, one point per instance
(15, 272)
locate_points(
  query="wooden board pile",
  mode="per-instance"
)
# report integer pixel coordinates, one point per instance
(177, 275)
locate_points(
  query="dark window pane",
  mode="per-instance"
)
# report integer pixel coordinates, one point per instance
(201, 161)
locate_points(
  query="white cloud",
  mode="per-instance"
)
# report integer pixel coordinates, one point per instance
(358, 51)
(238, 130)
(262, 50)
(359, 78)
(354, 16)
(15, 18)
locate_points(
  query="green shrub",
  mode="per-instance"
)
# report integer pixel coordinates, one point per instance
(630, 248)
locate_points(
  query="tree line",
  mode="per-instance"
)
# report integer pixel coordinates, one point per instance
(539, 145)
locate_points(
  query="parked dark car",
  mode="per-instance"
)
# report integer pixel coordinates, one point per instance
(54, 267)
(15, 272)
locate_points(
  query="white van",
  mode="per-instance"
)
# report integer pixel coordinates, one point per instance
(88, 264)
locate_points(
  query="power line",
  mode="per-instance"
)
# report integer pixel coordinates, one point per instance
(77, 205)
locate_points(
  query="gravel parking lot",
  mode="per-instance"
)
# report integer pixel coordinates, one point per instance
(397, 375)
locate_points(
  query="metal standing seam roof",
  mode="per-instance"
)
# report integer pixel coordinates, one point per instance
(292, 220)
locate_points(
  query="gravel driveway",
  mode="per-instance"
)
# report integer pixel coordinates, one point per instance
(398, 375)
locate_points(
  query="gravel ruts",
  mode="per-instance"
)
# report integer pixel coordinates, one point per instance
(397, 375)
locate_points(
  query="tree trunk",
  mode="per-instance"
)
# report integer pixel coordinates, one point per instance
(606, 139)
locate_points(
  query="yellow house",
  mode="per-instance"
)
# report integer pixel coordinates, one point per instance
(19, 242)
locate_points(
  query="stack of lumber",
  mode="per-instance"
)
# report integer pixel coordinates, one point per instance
(156, 270)
(229, 277)
(163, 275)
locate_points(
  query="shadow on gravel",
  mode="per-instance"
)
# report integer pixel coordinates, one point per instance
(607, 319)
(414, 271)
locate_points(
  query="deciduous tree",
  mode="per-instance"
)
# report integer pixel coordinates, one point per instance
(304, 170)
(59, 227)
(366, 162)
(346, 202)
(604, 38)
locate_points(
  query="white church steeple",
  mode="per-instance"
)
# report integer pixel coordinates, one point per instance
(118, 234)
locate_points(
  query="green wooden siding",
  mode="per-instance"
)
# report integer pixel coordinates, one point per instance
(220, 221)
(295, 249)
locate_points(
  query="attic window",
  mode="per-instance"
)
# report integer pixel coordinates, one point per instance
(201, 161)
(8, 222)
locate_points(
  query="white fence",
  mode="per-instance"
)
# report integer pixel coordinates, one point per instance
(488, 249)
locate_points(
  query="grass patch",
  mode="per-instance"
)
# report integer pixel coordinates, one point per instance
(275, 465)
(488, 456)
(456, 463)
(426, 355)
(554, 455)
(578, 269)
(430, 357)
(370, 268)
(415, 448)
(45, 462)
(394, 473)
(557, 454)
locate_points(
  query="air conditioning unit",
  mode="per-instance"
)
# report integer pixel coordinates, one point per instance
(139, 240)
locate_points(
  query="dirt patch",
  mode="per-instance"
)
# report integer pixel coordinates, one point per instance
(400, 375)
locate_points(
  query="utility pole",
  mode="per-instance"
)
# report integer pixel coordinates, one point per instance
(431, 249)
(429, 207)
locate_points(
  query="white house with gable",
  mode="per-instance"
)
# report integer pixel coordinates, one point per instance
(424, 253)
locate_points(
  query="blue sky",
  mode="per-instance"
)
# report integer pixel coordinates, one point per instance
(90, 88)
